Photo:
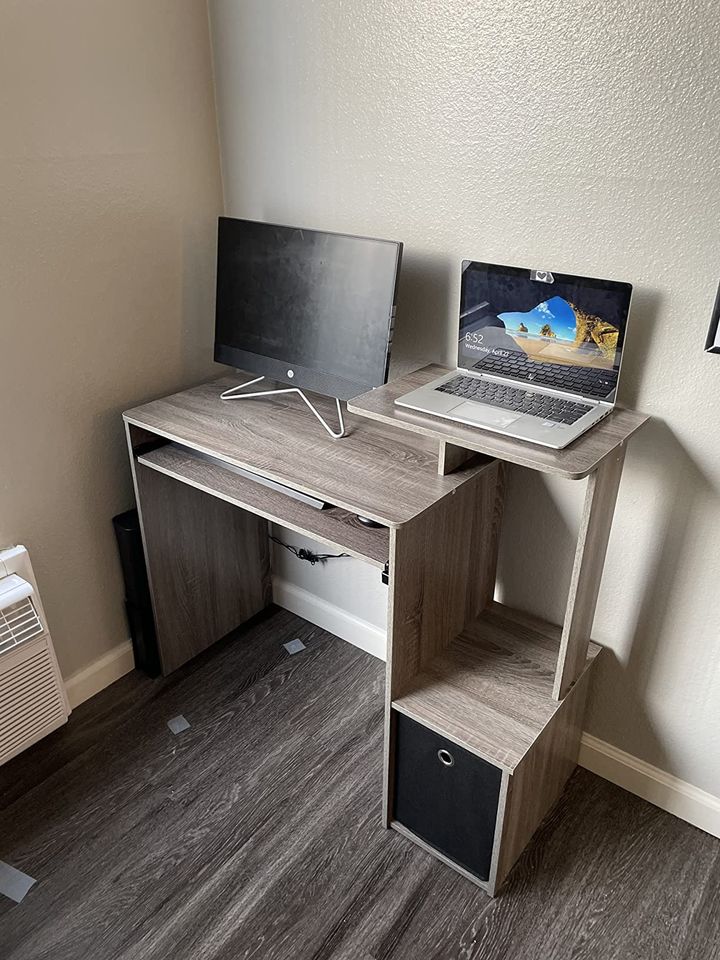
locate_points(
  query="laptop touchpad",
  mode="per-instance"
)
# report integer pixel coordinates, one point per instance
(479, 413)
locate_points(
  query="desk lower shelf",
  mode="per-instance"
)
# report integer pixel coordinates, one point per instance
(333, 526)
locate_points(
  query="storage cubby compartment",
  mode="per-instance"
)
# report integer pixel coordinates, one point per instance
(483, 704)
(490, 688)
(445, 796)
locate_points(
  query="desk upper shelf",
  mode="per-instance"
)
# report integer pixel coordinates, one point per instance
(377, 471)
(574, 462)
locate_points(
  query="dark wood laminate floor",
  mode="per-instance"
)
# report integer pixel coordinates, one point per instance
(255, 834)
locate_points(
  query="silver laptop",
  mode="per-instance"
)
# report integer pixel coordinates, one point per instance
(538, 354)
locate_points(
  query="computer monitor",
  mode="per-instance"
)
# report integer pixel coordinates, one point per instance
(309, 308)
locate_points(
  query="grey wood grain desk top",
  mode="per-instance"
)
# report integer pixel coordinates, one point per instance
(574, 462)
(378, 471)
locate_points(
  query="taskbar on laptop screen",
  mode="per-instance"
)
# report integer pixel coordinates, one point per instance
(553, 328)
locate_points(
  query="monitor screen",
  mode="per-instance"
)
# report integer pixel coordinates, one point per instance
(311, 308)
(526, 323)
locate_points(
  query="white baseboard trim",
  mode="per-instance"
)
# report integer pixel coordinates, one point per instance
(99, 674)
(334, 619)
(677, 796)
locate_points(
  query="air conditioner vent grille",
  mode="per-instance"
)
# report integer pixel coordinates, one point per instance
(31, 703)
(19, 622)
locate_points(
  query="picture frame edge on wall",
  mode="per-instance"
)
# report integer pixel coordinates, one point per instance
(712, 344)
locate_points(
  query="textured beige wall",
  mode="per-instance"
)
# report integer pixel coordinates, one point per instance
(109, 189)
(581, 136)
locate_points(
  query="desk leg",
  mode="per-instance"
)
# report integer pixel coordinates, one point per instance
(208, 564)
(590, 553)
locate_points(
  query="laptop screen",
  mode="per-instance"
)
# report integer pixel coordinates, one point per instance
(557, 330)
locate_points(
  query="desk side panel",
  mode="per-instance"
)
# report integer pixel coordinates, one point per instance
(208, 565)
(442, 568)
(540, 778)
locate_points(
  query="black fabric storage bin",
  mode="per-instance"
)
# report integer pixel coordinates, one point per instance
(445, 795)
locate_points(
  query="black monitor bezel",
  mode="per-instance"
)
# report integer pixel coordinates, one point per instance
(326, 383)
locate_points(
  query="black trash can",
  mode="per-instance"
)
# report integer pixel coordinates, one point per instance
(138, 606)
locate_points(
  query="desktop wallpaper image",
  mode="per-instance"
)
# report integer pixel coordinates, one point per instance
(560, 331)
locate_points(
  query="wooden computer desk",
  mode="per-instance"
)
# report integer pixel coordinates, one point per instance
(503, 686)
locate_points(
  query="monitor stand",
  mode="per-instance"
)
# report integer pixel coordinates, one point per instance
(231, 394)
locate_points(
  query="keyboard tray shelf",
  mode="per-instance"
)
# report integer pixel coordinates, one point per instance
(333, 526)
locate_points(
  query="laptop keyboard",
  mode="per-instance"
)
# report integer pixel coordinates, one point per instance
(523, 401)
(589, 381)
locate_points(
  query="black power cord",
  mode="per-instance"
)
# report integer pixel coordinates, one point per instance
(311, 557)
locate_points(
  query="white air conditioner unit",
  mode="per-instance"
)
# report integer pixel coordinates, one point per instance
(33, 701)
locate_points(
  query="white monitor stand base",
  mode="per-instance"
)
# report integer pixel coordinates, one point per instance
(232, 394)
